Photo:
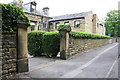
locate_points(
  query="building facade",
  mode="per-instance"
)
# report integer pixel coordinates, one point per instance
(84, 22)
(40, 20)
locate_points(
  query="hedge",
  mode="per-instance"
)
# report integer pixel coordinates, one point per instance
(48, 43)
(64, 27)
(85, 35)
(51, 43)
(35, 43)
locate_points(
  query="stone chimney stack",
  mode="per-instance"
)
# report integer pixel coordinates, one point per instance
(46, 11)
(18, 3)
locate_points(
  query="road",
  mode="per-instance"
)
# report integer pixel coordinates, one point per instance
(100, 62)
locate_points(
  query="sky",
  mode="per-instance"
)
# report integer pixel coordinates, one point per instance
(61, 7)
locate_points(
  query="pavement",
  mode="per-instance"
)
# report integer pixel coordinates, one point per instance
(99, 62)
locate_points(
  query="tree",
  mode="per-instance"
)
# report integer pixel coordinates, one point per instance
(112, 23)
(11, 15)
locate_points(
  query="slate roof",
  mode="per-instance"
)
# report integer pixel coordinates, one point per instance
(70, 16)
(37, 13)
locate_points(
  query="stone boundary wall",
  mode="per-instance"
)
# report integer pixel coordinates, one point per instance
(118, 40)
(80, 45)
(9, 55)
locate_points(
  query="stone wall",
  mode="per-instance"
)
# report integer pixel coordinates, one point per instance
(89, 23)
(80, 45)
(118, 40)
(95, 21)
(9, 55)
(37, 20)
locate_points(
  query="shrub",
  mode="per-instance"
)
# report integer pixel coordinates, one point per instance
(64, 27)
(35, 43)
(11, 15)
(51, 43)
(85, 35)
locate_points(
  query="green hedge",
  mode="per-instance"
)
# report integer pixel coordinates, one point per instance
(43, 43)
(85, 35)
(48, 43)
(51, 43)
(64, 27)
(35, 43)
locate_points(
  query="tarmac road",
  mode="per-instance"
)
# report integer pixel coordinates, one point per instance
(100, 62)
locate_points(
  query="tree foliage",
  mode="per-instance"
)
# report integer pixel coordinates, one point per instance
(112, 23)
(11, 15)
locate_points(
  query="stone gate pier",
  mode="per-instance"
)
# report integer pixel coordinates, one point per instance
(64, 42)
(22, 50)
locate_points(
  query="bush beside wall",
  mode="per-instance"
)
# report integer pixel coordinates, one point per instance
(51, 43)
(48, 43)
(35, 43)
(85, 35)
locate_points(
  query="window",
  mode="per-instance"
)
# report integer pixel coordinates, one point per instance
(44, 25)
(66, 22)
(32, 8)
(51, 25)
(97, 24)
(77, 23)
(40, 26)
(92, 20)
(56, 25)
(32, 25)
(32, 28)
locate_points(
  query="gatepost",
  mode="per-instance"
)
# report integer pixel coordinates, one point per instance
(22, 57)
(64, 42)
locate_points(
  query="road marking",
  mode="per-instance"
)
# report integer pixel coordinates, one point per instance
(75, 72)
(111, 68)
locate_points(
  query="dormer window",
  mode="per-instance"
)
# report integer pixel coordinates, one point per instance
(33, 6)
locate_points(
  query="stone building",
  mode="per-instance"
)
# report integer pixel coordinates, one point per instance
(38, 18)
(84, 22)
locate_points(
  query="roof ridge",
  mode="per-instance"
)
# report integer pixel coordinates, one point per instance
(72, 14)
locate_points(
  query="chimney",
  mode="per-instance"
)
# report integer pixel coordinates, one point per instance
(18, 3)
(46, 11)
